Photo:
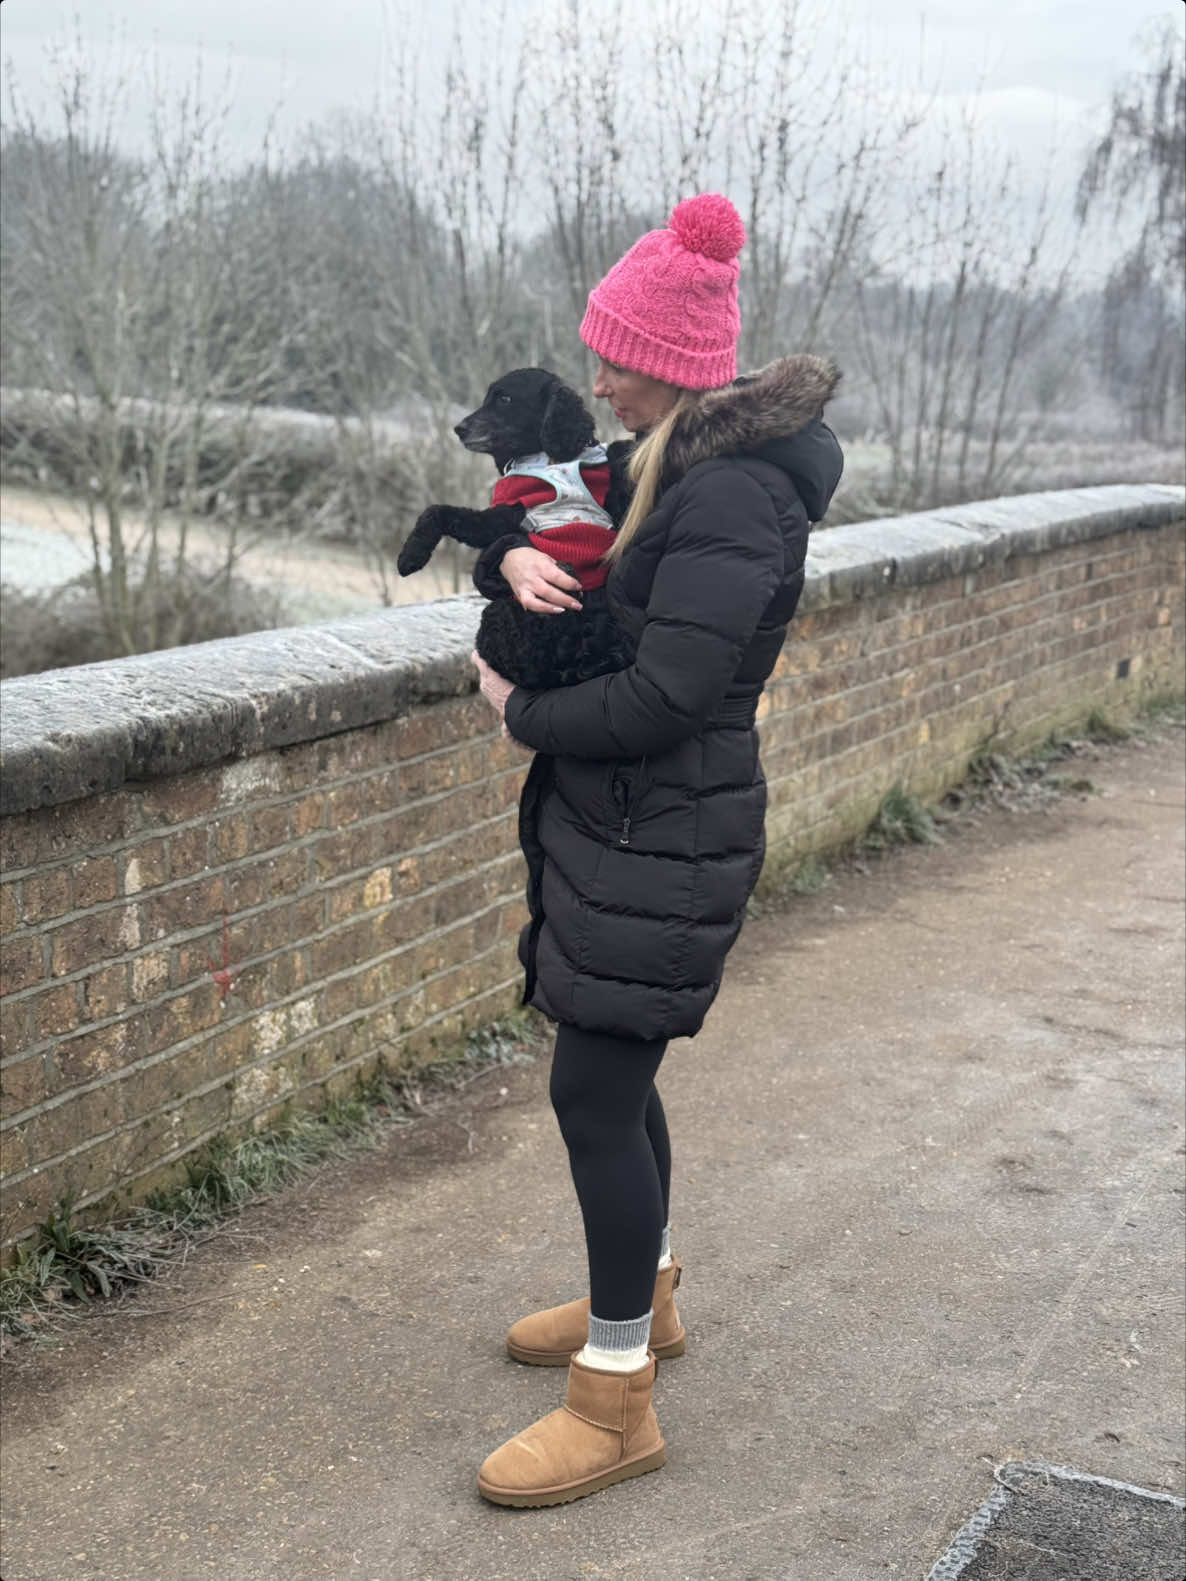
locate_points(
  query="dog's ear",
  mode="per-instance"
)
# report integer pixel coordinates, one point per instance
(567, 428)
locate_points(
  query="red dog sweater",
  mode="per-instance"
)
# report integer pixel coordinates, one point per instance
(566, 515)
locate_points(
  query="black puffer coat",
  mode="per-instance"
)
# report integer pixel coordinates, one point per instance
(642, 818)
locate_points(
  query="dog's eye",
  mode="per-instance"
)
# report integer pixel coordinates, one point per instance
(504, 400)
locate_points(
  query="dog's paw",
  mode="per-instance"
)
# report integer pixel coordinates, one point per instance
(411, 558)
(430, 528)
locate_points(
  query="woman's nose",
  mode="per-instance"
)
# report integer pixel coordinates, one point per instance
(601, 388)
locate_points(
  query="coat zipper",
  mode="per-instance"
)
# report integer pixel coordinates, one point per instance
(624, 837)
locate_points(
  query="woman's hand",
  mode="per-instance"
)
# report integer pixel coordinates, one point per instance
(496, 689)
(538, 583)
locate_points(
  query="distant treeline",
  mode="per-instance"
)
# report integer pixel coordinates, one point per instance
(395, 266)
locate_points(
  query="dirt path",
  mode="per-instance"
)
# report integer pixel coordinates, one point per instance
(928, 1194)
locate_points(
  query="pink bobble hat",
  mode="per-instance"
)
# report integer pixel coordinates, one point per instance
(669, 307)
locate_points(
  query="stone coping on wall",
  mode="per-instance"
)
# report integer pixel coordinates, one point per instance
(72, 733)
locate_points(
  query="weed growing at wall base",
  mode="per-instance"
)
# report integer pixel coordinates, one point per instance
(65, 1266)
(1100, 728)
(902, 819)
(1167, 708)
(1039, 777)
(810, 876)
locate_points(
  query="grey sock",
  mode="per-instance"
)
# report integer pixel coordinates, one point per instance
(627, 1335)
(665, 1244)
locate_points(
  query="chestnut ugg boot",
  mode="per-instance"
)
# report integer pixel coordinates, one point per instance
(549, 1338)
(605, 1432)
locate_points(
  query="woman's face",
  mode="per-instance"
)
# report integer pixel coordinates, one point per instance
(638, 400)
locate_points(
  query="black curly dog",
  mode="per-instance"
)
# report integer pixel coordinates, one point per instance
(525, 412)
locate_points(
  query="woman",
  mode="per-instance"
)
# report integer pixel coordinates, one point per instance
(642, 815)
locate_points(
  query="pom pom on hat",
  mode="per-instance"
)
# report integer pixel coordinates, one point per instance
(709, 225)
(669, 307)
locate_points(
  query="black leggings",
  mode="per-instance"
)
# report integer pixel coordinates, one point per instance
(603, 1092)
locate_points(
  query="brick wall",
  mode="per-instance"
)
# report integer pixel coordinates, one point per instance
(337, 797)
(372, 891)
(908, 684)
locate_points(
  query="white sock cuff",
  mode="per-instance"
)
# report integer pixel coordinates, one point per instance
(613, 1360)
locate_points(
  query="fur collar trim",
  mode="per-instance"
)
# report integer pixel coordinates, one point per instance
(777, 400)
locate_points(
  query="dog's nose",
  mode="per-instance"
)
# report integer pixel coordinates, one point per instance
(461, 428)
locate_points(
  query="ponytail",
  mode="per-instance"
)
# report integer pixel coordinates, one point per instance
(646, 472)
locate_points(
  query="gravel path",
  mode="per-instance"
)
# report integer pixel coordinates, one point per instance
(928, 1176)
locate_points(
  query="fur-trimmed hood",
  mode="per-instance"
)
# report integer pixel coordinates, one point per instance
(780, 399)
(774, 414)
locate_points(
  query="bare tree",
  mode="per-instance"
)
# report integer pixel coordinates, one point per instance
(123, 266)
(1137, 171)
(945, 335)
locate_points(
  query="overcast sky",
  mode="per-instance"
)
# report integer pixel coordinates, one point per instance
(1041, 69)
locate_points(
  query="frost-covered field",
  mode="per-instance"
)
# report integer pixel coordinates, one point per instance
(44, 538)
(867, 486)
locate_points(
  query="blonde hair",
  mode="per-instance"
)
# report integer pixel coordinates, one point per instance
(646, 471)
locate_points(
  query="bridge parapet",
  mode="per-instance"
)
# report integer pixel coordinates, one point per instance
(238, 874)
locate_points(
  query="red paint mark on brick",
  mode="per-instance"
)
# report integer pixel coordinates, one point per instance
(223, 975)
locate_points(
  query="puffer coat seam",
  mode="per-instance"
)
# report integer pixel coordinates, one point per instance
(684, 983)
(718, 790)
(728, 855)
(609, 908)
